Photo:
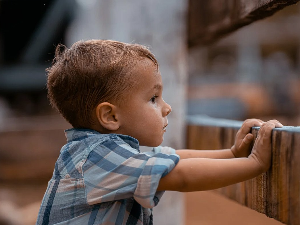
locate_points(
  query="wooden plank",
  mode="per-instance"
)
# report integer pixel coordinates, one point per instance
(29, 148)
(275, 193)
(208, 21)
(29, 155)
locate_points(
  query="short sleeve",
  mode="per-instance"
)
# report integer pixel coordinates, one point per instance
(115, 171)
(162, 161)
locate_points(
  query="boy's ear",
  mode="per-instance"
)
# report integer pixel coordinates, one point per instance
(106, 114)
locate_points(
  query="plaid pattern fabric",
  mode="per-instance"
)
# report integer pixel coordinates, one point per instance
(104, 179)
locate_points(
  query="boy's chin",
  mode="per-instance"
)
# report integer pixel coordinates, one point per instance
(152, 143)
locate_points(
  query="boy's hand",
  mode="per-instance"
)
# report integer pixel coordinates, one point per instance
(243, 138)
(261, 151)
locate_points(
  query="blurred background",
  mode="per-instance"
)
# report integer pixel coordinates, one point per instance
(251, 72)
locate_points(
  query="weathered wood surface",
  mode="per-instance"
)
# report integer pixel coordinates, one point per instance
(29, 155)
(275, 193)
(208, 21)
(29, 148)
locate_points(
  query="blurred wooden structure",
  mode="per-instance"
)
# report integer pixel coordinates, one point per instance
(209, 21)
(29, 149)
(275, 193)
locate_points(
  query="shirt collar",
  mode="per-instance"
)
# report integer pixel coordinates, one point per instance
(75, 134)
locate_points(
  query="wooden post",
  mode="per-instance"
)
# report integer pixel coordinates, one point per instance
(275, 193)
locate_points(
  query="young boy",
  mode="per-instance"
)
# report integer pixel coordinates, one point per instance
(111, 93)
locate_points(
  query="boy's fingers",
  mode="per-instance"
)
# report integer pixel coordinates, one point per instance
(248, 124)
(253, 122)
(266, 130)
(276, 123)
(248, 139)
(267, 127)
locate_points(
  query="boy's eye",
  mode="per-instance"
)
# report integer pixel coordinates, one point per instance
(153, 99)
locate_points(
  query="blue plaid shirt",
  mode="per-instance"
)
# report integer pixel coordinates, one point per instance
(104, 179)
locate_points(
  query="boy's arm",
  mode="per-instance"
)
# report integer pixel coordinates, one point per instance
(241, 147)
(198, 174)
(213, 154)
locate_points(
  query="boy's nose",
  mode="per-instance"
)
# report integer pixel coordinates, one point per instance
(167, 109)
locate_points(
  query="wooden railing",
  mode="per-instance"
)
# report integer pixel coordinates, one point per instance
(275, 193)
(208, 21)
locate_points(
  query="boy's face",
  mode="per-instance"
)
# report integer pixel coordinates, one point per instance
(143, 115)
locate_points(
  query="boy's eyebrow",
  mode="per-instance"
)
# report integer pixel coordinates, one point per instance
(157, 86)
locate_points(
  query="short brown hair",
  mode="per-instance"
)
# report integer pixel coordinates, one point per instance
(88, 73)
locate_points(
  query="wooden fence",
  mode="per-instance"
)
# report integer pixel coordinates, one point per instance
(275, 193)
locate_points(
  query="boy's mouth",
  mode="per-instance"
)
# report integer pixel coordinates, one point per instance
(165, 127)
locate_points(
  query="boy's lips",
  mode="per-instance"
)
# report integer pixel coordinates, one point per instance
(165, 127)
